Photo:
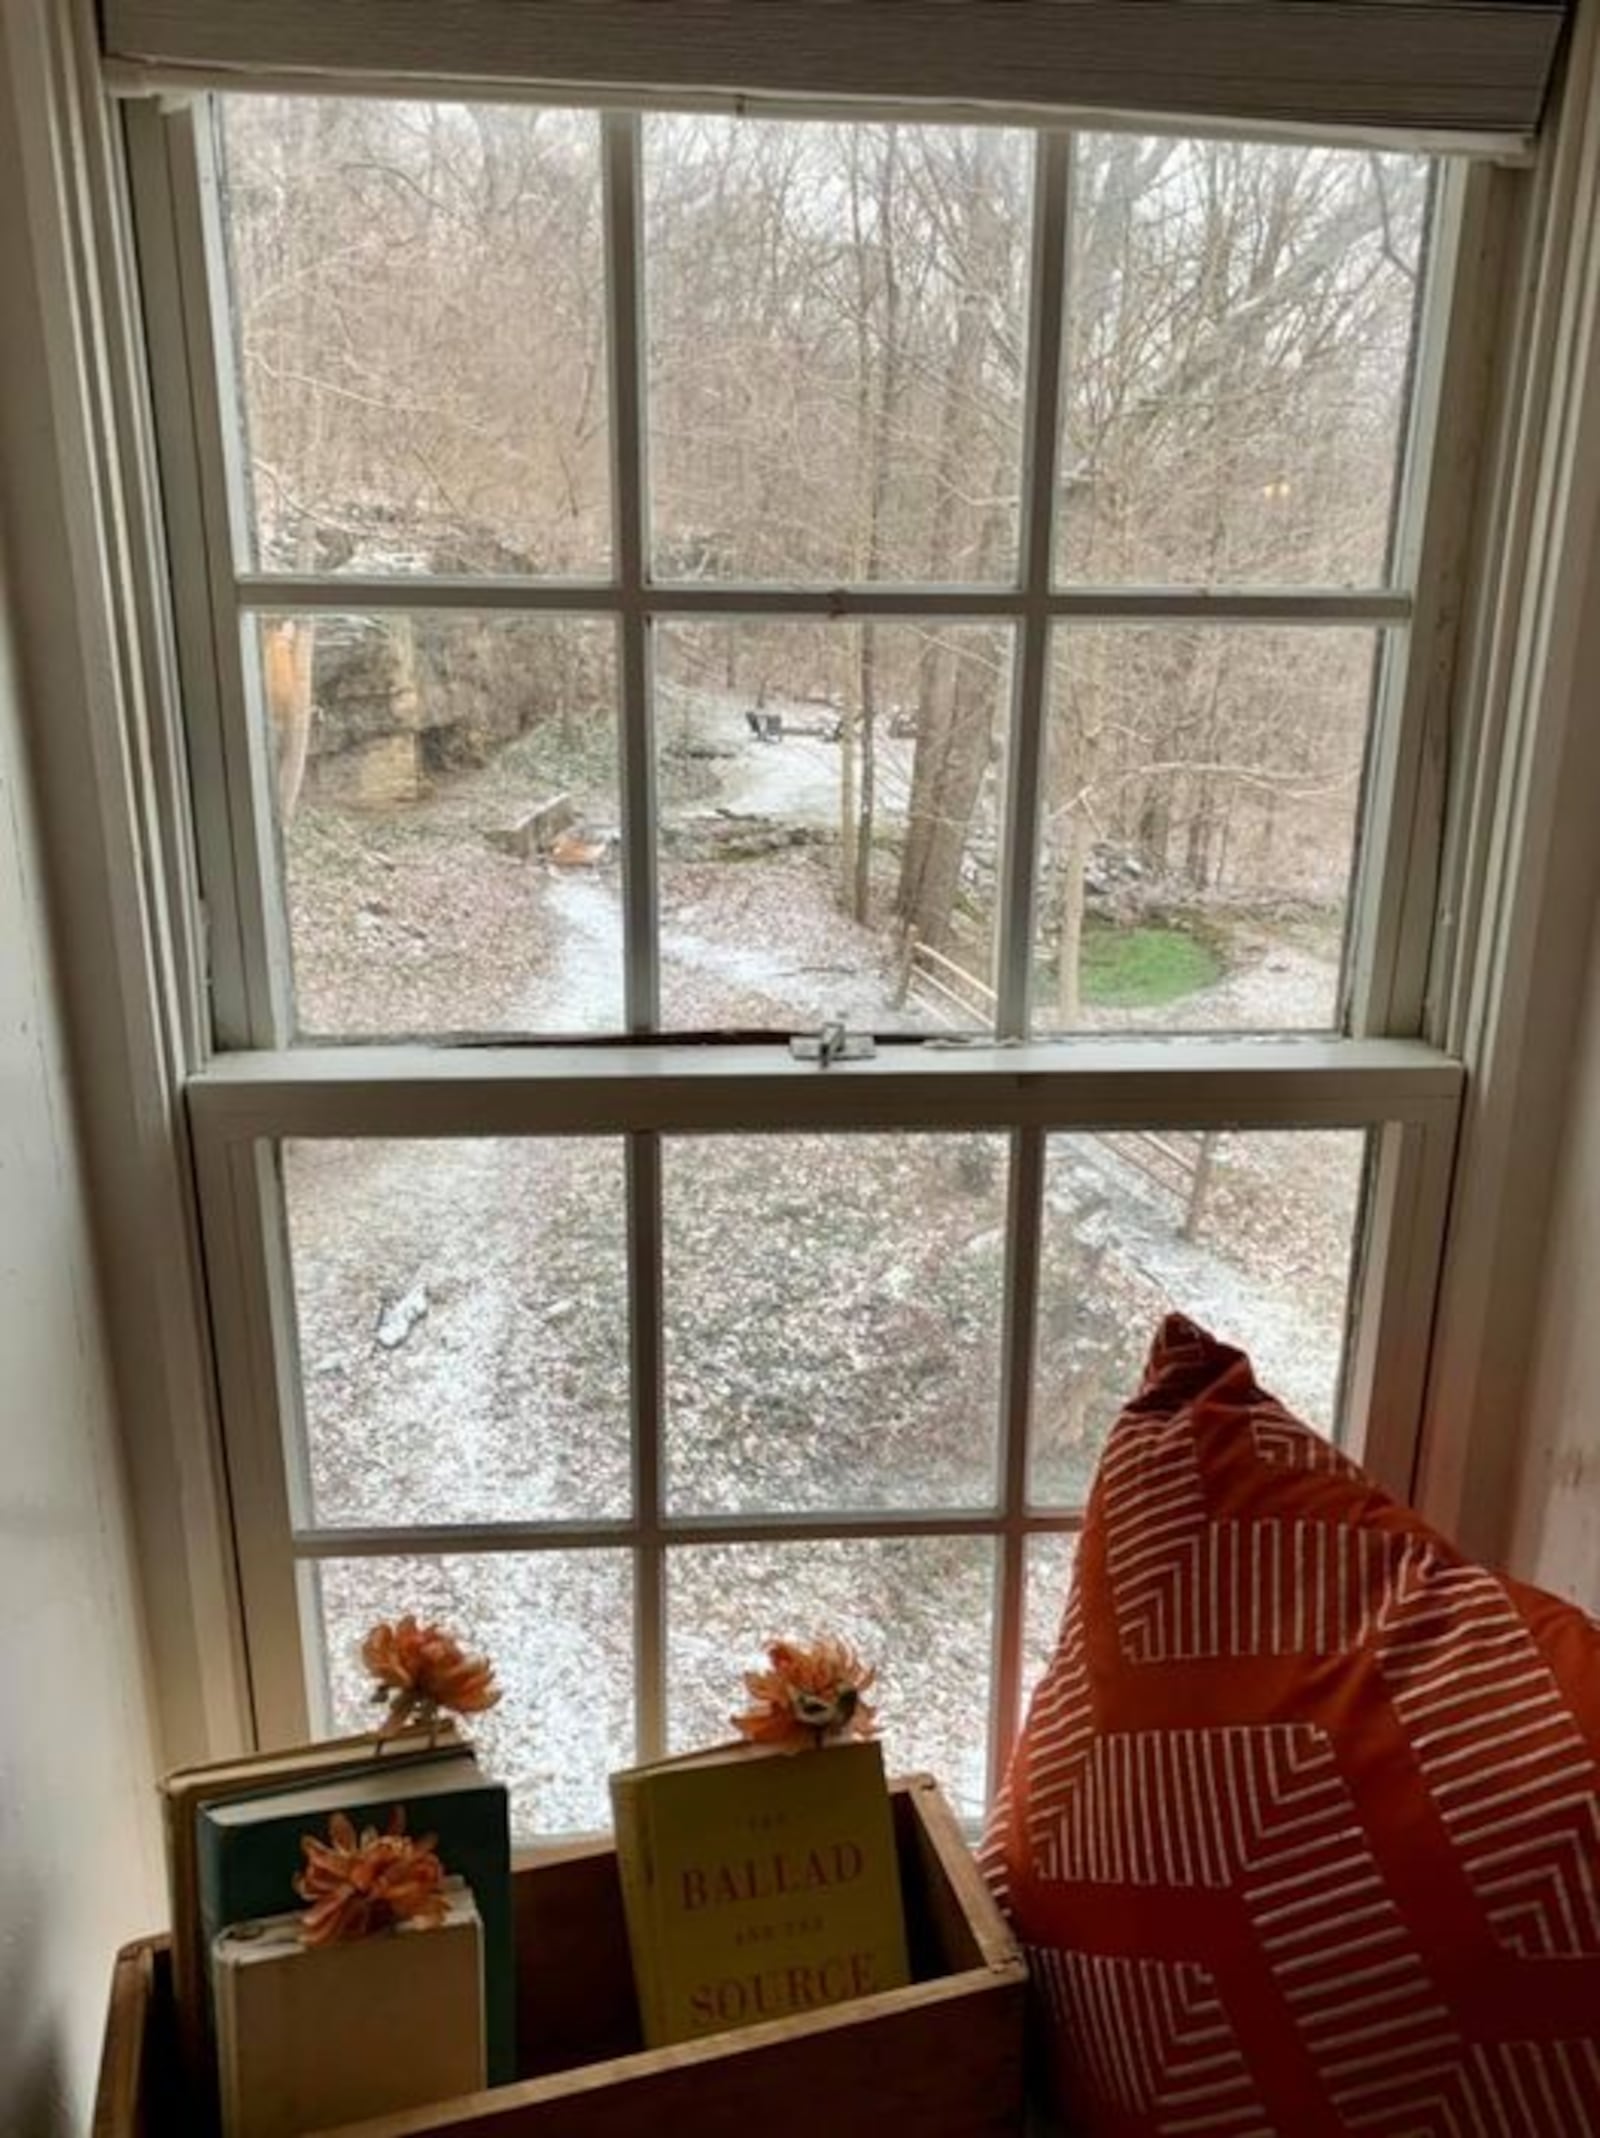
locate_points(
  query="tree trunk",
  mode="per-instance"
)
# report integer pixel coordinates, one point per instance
(848, 825)
(953, 732)
(1076, 767)
(1070, 905)
(875, 428)
(954, 783)
(862, 902)
(1155, 828)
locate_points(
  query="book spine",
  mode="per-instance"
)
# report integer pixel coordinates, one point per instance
(636, 1875)
(189, 1989)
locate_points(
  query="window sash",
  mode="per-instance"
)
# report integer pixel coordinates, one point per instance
(1403, 1092)
(1392, 895)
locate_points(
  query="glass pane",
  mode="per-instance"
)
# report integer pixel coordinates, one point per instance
(1240, 319)
(836, 349)
(446, 796)
(832, 1320)
(1048, 1576)
(558, 1627)
(830, 796)
(920, 1608)
(1250, 1234)
(1198, 835)
(462, 1316)
(419, 333)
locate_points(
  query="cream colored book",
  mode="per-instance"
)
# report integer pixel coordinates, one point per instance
(313, 2036)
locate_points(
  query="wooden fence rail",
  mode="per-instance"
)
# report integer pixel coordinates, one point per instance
(1178, 1161)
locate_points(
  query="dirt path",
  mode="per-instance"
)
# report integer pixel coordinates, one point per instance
(583, 992)
(795, 780)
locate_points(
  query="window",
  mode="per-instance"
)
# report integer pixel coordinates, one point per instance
(647, 586)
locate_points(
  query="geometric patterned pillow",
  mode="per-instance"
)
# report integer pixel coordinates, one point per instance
(1302, 1832)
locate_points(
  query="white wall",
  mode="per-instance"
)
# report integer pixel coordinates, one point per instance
(1556, 1533)
(1554, 1537)
(86, 657)
(79, 1866)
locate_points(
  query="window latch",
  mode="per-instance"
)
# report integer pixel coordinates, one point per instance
(833, 1044)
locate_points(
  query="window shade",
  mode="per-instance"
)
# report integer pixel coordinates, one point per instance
(1438, 67)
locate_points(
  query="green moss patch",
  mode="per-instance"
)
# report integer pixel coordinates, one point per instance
(1141, 968)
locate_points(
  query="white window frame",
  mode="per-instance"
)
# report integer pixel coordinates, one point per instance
(1384, 1077)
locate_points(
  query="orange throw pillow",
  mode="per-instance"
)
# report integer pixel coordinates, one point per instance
(1303, 1830)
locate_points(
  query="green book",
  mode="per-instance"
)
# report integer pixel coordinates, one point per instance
(251, 1774)
(757, 1884)
(248, 1854)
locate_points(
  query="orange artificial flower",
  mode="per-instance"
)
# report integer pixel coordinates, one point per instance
(808, 1695)
(422, 1670)
(358, 1887)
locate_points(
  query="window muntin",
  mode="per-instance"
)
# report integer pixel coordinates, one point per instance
(849, 1433)
(830, 358)
(1404, 1100)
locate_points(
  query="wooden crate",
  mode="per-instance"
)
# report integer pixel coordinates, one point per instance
(940, 2059)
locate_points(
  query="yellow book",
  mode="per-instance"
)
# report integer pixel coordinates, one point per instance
(757, 1885)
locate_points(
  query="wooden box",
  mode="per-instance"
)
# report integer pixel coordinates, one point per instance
(940, 2059)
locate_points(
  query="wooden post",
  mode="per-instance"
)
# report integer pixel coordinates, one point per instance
(1200, 1186)
(908, 959)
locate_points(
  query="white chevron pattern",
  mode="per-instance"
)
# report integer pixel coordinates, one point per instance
(1210, 1805)
(1186, 1587)
(1279, 1440)
(1264, 1815)
(1511, 1773)
(1153, 2038)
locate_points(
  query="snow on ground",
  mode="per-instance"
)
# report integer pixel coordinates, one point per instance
(796, 780)
(763, 944)
(582, 990)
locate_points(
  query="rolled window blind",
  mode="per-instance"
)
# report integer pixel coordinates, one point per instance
(1436, 67)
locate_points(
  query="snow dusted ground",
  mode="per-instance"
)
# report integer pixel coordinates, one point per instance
(833, 1310)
